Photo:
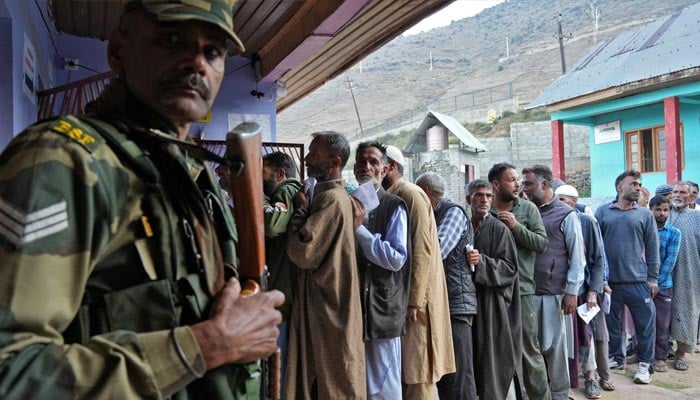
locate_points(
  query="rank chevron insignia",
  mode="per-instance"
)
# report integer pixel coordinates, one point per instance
(19, 227)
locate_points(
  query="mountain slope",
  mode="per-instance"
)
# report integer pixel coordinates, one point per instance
(467, 55)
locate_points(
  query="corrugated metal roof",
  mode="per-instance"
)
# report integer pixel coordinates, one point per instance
(663, 47)
(418, 143)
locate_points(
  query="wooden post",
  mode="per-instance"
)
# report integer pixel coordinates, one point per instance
(558, 168)
(672, 112)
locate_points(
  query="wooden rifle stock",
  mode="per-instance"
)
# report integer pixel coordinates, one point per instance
(244, 153)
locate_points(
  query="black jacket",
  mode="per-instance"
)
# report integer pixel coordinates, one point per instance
(460, 279)
(384, 292)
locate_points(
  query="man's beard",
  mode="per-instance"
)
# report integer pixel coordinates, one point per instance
(660, 220)
(269, 186)
(506, 195)
(678, 203)
(319, 171)
(369, 178)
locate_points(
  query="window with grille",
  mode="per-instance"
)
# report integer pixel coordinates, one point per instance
(646, 149)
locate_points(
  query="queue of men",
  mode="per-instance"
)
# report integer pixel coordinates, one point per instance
(514, 269)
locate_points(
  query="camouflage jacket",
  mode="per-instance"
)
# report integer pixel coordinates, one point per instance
(278, 209)
(103, 256)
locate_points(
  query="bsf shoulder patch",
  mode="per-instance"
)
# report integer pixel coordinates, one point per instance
(19, 227)
(281, 207)
(77, 131)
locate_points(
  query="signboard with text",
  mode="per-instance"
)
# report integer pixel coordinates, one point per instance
(606, 133)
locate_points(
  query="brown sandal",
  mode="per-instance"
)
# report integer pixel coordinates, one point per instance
(660, 366)
(606, 385)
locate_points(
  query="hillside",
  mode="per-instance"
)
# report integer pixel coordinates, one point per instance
(468, 55)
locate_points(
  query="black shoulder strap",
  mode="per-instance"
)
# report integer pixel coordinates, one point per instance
(125, 149)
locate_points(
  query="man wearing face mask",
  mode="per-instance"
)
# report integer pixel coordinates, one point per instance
(383, 260)
(326, 351)
(279, 186)
(685, 308)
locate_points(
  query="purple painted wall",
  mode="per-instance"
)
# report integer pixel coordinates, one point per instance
(235, 97)
(6, 86)
(26, 19)
(17, 111)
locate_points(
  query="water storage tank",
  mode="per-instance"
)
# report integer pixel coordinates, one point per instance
(436, 138)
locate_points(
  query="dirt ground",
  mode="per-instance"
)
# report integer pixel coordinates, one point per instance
(667, 385)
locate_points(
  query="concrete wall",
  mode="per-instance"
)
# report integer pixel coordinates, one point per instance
(531, 143)
(449, 164)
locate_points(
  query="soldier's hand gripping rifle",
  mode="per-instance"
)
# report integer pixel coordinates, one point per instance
(244, 153)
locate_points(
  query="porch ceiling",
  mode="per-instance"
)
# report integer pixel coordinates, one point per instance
(302, 43)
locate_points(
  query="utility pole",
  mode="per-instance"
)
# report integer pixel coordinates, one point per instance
(560, 37)
(595, 14)
(349, 82)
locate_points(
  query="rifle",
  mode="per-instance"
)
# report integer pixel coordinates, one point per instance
(244, 153)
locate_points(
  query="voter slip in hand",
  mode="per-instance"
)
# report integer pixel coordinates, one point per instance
(586, 313)
(367, 195)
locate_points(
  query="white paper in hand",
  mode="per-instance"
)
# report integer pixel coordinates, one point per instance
(367, 195)
(586, 313)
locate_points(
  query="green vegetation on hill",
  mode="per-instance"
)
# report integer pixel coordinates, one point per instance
(498, 127)
(501, 125)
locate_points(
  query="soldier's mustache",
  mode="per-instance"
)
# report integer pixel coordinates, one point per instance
(193, 81)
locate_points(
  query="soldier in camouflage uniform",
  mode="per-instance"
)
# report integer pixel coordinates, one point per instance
(114, 237)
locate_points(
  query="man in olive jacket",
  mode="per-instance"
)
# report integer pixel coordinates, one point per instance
(279, 186)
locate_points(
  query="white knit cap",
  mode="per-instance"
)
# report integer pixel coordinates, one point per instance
(395, 154)
(566, 190)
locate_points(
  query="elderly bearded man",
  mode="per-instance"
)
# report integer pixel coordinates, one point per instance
(427, 350)
(685, 307)
(454, 233)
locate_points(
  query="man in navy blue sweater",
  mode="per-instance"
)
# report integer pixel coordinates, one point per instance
(632, 247)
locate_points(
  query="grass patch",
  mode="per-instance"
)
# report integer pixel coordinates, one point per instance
(671, 385)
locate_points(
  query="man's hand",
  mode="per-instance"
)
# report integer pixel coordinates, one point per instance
(411, 314)
(568, 304)
(508, 218)
(606, 289)
(591, 299)
(358, 213)
(300, 200)
(239, 329)
(654, 288)
(473, 257)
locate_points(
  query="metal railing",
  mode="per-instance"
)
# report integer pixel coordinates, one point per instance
(446, 105)
(72, 97)
(294, 150)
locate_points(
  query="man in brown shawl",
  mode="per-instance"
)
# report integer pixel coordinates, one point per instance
(427, 351)
(326, 351)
